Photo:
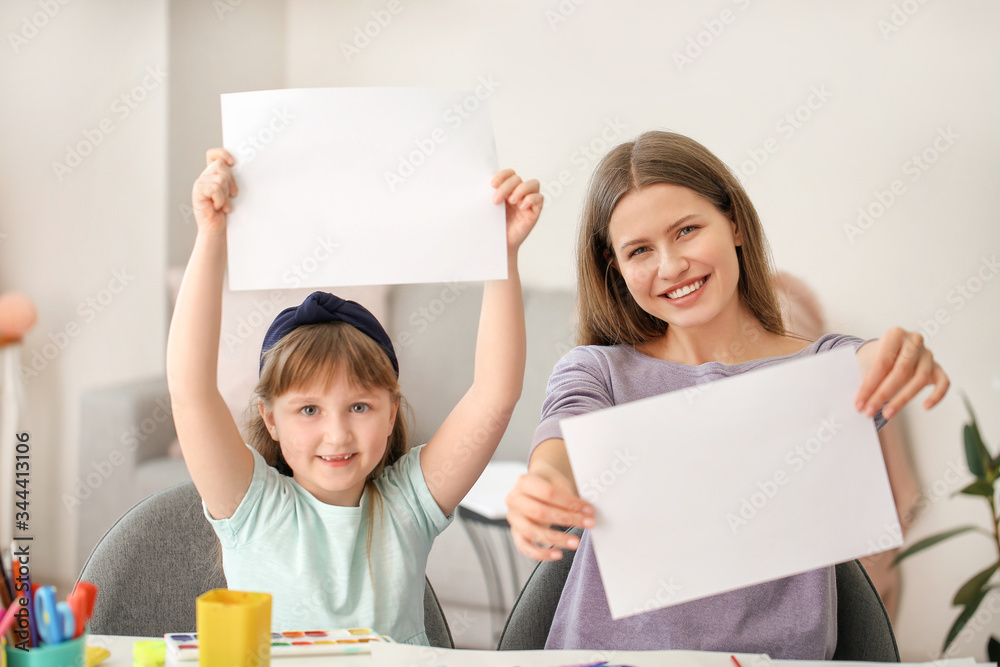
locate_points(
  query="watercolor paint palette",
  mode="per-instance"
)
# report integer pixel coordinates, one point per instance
(184, 645)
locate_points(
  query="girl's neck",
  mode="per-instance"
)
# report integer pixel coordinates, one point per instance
(728, 340)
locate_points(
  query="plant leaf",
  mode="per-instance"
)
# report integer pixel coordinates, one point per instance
(974, 585)
(931, 541)
(975, 451)
(979, 488)
(981, 464)
(964, 617)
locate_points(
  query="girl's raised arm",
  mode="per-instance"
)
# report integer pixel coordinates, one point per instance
(456, 455)
(220, 464)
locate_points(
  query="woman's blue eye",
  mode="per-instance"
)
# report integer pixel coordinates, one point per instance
(687, 230)
(637, 251)
(359, 407)
(309, 410)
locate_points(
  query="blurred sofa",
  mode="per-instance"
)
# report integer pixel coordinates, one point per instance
(127, 438)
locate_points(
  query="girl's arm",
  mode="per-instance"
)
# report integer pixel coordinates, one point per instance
(457, 453)
(220, 464)
(894, 369)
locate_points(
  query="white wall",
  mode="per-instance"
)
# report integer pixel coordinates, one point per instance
(95, 232)
(561, 82)
(215, 48)
(559, 86)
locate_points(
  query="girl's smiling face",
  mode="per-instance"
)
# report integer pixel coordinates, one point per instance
(677, 254)
(332, 437)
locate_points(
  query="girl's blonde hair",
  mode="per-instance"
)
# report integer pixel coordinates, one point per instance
(608, 315)
(315, 353)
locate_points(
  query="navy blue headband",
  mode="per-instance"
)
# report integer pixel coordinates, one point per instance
(320, 307)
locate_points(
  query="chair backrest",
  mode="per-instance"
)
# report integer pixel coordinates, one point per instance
(160, 556)
(864, 632)
(863, 629)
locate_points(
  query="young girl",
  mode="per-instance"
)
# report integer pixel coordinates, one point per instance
(675, 290)
(331, 512)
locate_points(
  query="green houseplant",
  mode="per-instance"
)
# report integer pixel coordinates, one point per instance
(986, 469)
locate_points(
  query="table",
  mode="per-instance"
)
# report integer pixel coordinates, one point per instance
(121, 654)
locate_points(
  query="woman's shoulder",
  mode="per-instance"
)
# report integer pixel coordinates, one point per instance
(592, 357)
(833, 341)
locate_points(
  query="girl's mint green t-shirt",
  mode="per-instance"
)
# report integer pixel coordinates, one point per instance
(313, 558)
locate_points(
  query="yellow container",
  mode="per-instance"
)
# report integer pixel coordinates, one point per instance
(234, 628)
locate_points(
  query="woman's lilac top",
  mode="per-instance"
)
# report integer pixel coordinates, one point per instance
(792, 618)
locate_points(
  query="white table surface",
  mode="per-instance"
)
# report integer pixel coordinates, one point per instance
(121, 654)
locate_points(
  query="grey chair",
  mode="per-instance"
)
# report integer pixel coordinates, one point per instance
(863, 629)
(160, 556)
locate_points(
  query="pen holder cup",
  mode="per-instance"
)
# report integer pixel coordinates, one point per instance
(70, 653)
(234, 628)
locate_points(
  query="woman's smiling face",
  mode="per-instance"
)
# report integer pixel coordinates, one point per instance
(677, 254)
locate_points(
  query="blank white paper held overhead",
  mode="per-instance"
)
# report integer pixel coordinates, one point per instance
(732, 483)
(361, 186)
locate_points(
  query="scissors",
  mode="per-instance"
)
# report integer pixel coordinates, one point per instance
(56, 621)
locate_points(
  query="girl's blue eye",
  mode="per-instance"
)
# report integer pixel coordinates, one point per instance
(359, 408)
(309, 410)
(637, 251)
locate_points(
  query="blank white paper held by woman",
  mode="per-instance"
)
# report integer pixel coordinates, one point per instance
(361, 186)
(732, 483)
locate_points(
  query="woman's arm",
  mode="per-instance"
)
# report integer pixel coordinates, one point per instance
(544, 497)
(220, 464)
(457, 453)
